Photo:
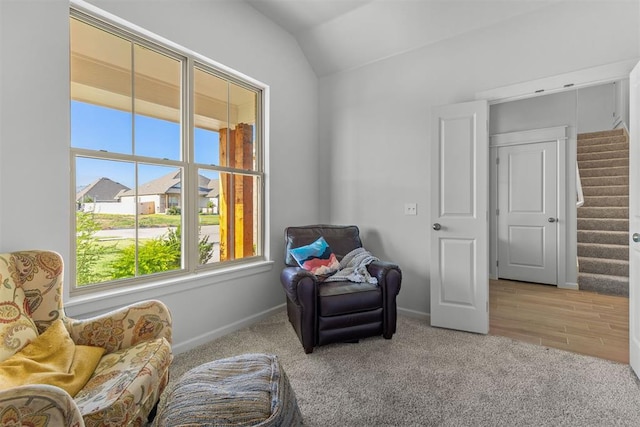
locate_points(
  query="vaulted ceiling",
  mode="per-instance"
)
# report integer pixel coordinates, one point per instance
(338, 35)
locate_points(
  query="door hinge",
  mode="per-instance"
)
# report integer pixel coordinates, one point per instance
(497, 160)
(497, 263)
(487, 306)
(497, 211)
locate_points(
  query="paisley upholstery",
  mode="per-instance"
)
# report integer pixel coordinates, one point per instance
(131, 375)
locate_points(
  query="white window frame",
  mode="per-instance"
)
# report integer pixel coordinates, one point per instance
(190, 254)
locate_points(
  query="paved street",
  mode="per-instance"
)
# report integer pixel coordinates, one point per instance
(147, 233)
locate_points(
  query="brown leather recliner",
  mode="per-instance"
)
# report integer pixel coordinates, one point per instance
(323, 313)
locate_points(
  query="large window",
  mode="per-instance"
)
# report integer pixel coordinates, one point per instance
(166, 159)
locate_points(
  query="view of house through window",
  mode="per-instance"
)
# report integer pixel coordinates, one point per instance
(166, 180)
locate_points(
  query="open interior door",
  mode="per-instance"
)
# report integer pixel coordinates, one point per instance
(634, 219)
(459, 202)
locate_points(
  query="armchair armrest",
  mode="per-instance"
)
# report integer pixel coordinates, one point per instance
(293, 280)
(301, 288)
(124, 327)
(386, 272)
(39, 404)
(389, 278)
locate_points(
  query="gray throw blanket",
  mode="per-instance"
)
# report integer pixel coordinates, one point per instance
(353, 268)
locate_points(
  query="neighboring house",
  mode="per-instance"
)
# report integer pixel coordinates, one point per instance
(101, 190)
(213, 195)
(165, 192)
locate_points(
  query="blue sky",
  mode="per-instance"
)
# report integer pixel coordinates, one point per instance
(100, 128)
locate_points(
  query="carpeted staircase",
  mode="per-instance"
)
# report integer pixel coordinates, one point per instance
(603, 220)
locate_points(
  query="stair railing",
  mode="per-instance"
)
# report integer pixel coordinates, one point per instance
(580, 201)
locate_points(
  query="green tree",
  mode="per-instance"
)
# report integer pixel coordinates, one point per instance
(88, 249)
(206, 249)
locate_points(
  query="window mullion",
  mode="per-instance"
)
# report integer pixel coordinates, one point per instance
(133, 152)
(190, 184)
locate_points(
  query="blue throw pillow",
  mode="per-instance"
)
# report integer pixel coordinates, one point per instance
(316, 257)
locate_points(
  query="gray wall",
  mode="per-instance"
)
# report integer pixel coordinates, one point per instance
(375, 120)
(596, 108)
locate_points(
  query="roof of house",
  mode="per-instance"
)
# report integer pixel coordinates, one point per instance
(101, 190)
(172, 183)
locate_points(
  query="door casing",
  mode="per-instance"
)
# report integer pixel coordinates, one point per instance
(634, 219)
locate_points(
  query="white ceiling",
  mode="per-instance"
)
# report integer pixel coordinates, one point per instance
(337, 35)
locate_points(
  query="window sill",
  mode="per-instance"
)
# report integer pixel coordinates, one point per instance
(108, 299)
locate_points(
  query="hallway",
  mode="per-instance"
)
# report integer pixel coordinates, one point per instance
(579, 321)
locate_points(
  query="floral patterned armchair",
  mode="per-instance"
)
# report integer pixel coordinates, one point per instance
(130, 376)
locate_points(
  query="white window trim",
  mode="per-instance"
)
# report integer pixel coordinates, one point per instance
(226, 271)
(108, 299)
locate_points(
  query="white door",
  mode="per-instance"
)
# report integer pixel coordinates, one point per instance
(460, 234)
(527, 212)
(634, 219)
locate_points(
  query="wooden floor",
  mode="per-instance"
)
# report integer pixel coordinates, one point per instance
(579, 321)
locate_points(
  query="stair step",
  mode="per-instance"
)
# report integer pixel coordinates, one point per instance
(598, 148)
(603, 237)
(606, 190)
(610, 139)
(604, 180)
(610, 267)
(598, 250)
(603, 163)
(603, 284)
(603, 201)
(600, 224)
(606, 171)
(600, 133)
(616, 154)
(603, 212)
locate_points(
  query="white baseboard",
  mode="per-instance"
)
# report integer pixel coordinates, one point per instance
(232, 327)
(224, 330)
(415, 314)
(572, 286)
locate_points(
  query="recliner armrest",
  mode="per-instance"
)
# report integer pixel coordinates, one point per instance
(294, 277)
(381, 269)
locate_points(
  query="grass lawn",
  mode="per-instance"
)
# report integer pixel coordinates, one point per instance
(114, 221)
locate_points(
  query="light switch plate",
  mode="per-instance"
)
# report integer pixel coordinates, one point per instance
(410, 209)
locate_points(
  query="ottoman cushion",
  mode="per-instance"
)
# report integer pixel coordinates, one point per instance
(245, 390)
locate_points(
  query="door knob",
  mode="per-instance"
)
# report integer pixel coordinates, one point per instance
(636, 237)
(437, 226)
(552, 219)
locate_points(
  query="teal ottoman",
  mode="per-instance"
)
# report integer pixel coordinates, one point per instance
(245, 390)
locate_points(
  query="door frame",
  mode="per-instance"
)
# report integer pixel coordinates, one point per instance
(634, 218)
(559, 135)
(573, 80)
(593, 76)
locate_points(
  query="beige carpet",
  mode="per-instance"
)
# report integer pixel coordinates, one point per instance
(434, 377)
